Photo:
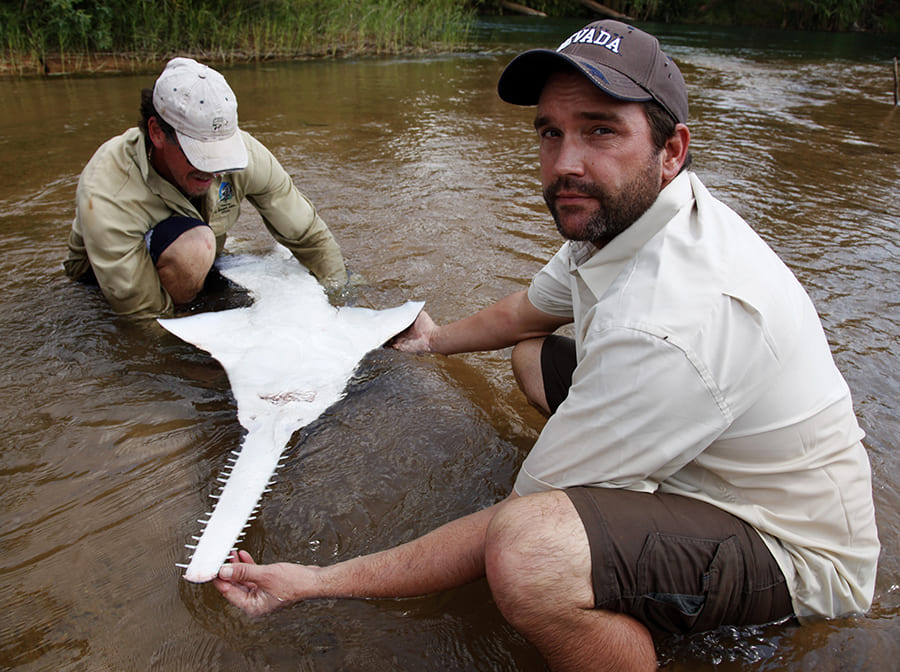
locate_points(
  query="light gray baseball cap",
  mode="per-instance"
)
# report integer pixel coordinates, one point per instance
(197, 102)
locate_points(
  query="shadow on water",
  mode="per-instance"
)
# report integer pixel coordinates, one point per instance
(112, 431)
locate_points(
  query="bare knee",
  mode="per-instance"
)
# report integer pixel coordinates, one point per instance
(508, 544)
(536, 546)
(538, 566)
(184, 264)
(526, 365)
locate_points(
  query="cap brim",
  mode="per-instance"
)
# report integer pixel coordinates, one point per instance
(524, 78)
(219, 156)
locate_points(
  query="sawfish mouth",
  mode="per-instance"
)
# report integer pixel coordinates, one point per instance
(281, 398)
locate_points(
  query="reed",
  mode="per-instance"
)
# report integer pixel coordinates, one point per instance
(71, 30)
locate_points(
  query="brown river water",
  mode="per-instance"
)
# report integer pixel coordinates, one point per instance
(112, 432)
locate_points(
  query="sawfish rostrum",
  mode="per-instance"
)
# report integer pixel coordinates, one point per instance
(288, 357)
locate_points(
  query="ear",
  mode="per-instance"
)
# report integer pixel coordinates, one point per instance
(675, 152)
(156, 133)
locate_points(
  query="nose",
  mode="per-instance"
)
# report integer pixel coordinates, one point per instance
(569, 157)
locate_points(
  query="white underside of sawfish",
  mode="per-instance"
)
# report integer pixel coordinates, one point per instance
(288, 357)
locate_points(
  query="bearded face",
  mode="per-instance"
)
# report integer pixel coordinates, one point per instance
(600, 169)
(612, 211)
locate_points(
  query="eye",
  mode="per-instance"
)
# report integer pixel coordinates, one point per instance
(549, 133)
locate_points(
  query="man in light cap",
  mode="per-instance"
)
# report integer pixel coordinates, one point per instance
(154, 204)
(701, 465)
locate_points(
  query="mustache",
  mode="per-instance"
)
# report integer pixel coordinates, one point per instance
(573, 185)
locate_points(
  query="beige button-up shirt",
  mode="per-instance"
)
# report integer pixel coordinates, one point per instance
(703, 370)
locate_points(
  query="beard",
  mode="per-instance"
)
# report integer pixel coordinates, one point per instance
(614, 213)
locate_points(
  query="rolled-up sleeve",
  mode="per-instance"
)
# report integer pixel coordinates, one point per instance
(550, 289)
(640, 408)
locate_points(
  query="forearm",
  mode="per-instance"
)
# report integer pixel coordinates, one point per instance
(124, 270)
(503, 324)
(450, 556)
(291, 217)
(323, 257)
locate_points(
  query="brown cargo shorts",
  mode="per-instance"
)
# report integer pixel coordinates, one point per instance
(676, 564)
(557, 366)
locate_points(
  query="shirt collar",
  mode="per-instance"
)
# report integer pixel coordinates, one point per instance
(598, 267)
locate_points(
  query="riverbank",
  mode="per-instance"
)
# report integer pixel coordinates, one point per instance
(45, 37)
(105, 63)
(50, 38)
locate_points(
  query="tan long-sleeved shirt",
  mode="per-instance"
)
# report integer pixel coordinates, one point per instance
(120, 197)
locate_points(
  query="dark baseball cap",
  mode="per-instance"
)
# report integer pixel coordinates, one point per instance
(619, 59)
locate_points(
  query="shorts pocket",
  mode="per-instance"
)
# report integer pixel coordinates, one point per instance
(685, 584)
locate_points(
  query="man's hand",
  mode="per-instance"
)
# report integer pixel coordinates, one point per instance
(448, 557)
(419, 337)
(261, 589)
(503, 324)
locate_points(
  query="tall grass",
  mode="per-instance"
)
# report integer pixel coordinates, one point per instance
(228, 29)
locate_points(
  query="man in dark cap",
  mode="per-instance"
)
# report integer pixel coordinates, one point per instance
(701, 464)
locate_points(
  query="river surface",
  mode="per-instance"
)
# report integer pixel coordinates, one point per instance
(113, 431)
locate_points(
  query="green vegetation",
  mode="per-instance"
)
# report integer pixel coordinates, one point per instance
(37, 31)
(84, 34)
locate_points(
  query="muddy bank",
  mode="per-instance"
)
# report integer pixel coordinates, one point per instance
(90, 64)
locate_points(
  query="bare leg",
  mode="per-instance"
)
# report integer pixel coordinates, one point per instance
(526, 365)
(538, 565)
(183, 265)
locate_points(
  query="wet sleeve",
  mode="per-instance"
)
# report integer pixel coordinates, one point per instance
(291, 218)
(113, 233)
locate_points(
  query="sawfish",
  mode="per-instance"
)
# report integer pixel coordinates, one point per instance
(288, 357)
